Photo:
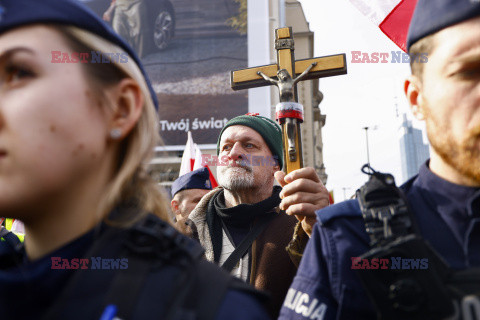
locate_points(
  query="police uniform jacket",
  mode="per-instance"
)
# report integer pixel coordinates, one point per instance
(80, 279)
(326, 287)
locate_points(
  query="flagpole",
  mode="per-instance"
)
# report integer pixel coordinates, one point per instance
(281, 14)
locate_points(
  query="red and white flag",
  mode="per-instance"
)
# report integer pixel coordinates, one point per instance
(188, 158)
(330, 197)
(391, 16)
(192, 160)
(198, 158)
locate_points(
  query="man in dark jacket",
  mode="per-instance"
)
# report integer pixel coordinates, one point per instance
(244, 219)
(444, 197)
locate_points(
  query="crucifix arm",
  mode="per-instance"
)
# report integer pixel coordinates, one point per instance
(267, 78)
(300, 76)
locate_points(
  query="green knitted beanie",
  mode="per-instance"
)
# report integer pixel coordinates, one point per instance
(268, 129)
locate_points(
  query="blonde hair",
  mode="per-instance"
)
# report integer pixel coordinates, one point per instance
(131, 186)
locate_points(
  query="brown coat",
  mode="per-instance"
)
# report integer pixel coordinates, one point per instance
(271, 270)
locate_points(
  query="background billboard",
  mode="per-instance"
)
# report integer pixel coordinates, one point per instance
(188, 48)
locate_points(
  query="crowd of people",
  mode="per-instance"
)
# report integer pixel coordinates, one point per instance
(97, 238)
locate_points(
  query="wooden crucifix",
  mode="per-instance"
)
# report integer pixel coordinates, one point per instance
(285, 75)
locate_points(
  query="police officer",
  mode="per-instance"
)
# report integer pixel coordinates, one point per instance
(444, 197)
(187, 191)
(75, 134)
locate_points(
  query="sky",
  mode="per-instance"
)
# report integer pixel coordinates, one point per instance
(370, 95)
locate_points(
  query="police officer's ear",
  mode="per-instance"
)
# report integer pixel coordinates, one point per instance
(413, 92)
(127, 102)
(174, 204)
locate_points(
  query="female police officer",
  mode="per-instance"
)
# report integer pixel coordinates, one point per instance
(77, 125)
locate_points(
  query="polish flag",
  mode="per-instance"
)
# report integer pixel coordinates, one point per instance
(391, 16)
(330, 197)
(198, 164)
(188, 158)
(192, 160)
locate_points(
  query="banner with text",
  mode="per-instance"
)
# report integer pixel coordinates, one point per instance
(188, 49)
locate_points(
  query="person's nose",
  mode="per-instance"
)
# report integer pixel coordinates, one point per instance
(237, 152)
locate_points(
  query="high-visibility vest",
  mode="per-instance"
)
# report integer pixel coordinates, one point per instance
(15, 226)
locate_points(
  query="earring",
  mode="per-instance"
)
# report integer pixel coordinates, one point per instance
(115, 133)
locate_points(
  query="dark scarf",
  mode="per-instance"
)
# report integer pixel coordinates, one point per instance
(239, 216)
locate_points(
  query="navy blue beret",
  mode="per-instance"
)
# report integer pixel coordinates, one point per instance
(17, 13)
(197, 179)
(431, 16)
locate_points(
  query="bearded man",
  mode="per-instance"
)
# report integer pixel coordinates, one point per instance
(242, 224)
(444, 197)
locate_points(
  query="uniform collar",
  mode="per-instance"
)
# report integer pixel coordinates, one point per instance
(458, 195)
